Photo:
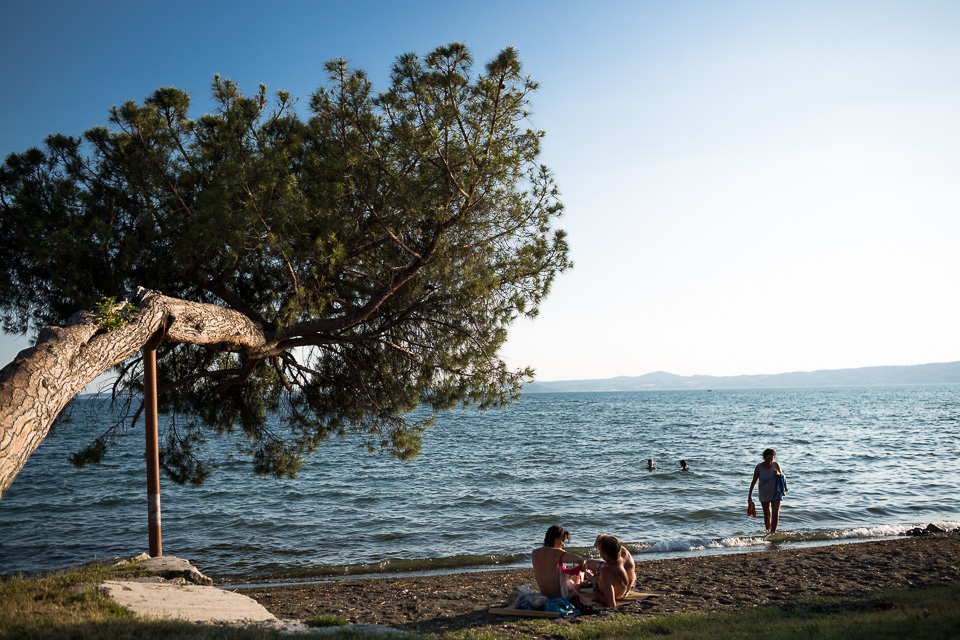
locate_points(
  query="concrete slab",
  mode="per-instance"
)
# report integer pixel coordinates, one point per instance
(177, 590)
(190, 602)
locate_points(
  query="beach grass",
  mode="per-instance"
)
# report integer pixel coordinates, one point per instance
(326, 621)
(68, 605)
(61, 597)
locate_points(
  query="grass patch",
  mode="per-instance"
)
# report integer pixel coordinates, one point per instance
(65, 597)
(68, 605)
(326, 621)
(931, 613)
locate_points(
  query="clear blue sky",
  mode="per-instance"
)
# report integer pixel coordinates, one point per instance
(750, 187)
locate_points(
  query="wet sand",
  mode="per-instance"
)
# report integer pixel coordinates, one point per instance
(439, 604)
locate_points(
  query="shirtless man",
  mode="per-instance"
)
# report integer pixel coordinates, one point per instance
(547, 558)
(615, 574)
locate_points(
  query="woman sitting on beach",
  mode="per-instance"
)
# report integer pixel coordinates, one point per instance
(769, 474)
(548, 558)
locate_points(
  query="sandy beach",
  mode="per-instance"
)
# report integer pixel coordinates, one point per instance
(444, 603)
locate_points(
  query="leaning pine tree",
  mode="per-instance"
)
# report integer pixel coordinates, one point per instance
(331, 273)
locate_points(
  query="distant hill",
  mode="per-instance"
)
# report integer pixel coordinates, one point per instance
(942, 373)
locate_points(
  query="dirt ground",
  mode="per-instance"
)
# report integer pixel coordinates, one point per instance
(440, 604)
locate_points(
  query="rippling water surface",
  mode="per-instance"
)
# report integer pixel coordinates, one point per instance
(861, 462)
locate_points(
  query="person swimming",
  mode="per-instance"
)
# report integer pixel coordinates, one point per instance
(683, 466)
(650, 466)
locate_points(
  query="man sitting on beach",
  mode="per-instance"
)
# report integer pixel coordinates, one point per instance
(547, 559)
(614, 575)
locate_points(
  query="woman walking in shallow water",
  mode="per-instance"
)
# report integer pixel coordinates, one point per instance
(772, 487)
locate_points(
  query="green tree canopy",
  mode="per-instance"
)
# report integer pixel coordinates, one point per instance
(382, 246)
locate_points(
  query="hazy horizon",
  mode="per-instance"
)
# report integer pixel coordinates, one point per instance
(739, 375)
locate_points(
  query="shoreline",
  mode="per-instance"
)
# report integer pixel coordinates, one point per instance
(443, 603)
(327, 576)
(242, 583)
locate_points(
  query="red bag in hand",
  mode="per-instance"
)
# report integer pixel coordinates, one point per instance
(751, 509)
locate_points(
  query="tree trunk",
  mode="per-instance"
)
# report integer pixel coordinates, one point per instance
(37, 385)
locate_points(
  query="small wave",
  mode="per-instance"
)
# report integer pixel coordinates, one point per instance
(702, 544)
(635, 547)
(743, 542)
(401, 565)
(859, 533)
(890, 530)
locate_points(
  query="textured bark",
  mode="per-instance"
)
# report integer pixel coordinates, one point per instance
(36, 386)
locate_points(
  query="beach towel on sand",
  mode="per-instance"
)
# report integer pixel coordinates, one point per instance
(635, 595)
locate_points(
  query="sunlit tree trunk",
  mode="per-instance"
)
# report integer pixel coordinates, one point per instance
(41, 380)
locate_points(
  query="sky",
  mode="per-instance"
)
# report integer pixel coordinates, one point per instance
(749, 187)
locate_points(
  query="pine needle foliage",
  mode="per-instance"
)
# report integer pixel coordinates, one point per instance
(383, 241)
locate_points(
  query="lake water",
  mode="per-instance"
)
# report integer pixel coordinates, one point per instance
(861, 463)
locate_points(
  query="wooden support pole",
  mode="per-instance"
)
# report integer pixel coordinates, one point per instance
(153, 445)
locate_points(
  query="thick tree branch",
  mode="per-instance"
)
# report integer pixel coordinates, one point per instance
(37, 385)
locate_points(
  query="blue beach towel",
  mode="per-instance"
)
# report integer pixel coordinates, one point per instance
(562, 606)
(781, 485)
